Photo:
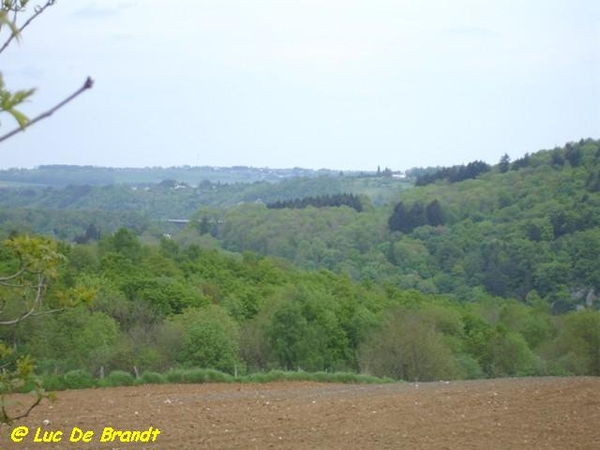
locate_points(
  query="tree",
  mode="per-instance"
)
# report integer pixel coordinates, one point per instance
(416, 216)
(78, 338)
(34, 262)
(211, 339)
(125, 243)
(508, 354)
(406, 220)
(578, 344)
(573, 154)
(31, 263)
(399, 220)
(504, 164)
(305, 332)
(434, 213)
(521, 162)
(36, 259)
(409, 346)
(557, 159)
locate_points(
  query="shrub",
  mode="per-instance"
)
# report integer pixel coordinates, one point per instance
(265, 377)
(470, 368)
(210, 338)
(153, 378)
(206, 376)
(195, 376)
(78, 379)
(216, 376)
(175, 376)
(321, 377)
(118, 378)
(54, 382)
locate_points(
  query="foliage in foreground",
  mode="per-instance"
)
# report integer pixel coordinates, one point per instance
(27, 265)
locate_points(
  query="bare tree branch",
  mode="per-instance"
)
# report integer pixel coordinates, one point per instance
(35, 304)
(38, 10)
(14, 285)
(38, 400)
(3, 280)
(50, 311)
(87, 85)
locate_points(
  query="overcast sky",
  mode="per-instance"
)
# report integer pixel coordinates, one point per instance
(340, 84)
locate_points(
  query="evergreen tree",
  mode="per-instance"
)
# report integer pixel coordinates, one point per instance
(521, 162)
(504, 164)
(434, 213)
(573, 154)
(399, 221)
(417, 217)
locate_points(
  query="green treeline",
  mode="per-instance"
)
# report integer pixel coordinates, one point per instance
(139, 308)
(322, 201)
(453, 174)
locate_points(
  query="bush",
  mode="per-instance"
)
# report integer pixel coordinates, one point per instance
(198, 376)
(78, 379)
(215, 376)
(509, 355)
(262, 377)
(205, 376)
(195, 376)
(348, 377)
(321, 377)
(211, 338)
(408, 347)
(118, 378)
(54, 383)
(175, 376)
(153, 378)
(470, 368)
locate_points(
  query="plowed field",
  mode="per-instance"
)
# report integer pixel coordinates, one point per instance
(530, 413)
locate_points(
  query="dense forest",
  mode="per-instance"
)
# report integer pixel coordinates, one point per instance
(155, 308)
(530, 231)
(494, 275)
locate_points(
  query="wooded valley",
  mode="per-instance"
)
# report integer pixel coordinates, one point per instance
(466, 272)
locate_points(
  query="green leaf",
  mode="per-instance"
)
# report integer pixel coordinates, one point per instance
(4, 20)
(21, 118)
(21, 96)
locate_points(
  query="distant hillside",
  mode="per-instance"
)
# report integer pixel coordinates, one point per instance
(527, 229)
(64, 175)
(66, 211)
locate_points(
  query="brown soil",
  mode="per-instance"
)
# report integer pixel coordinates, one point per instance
(533, 413)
